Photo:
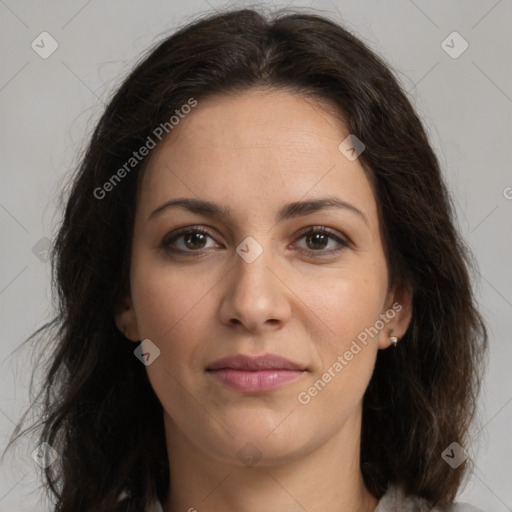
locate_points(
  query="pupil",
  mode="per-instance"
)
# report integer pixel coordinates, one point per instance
(318, 238)
(194, 238)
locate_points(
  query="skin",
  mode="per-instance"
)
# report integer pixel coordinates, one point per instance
(255, 152)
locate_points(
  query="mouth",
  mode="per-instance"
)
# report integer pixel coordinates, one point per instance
(254, 374)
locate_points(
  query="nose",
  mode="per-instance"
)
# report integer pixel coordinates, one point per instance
(255, 296)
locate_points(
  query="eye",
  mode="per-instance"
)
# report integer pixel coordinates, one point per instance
(318, 239)
(193, 241)
(187, 240)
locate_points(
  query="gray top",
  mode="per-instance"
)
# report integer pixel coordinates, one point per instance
(393, 500)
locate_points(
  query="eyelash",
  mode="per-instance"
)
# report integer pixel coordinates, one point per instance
(171, 238)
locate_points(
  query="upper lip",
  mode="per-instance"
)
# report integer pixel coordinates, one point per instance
(261, 362)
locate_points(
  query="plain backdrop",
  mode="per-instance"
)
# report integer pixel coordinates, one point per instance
(49, 107)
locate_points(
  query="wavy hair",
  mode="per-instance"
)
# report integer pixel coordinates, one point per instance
(99, 410)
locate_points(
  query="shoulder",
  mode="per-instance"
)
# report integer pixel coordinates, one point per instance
(395, 500)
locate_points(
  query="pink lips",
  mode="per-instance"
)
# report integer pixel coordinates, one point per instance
(255, 373)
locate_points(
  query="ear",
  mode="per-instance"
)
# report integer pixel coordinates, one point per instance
(126, 321)
(397, 315)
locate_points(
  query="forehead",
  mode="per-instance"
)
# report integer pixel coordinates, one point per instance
(258, 119)
(260, 146)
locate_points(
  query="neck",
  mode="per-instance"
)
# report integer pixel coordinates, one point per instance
(327, 478)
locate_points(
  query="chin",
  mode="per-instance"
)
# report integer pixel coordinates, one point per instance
(258, 444)
(254, 453)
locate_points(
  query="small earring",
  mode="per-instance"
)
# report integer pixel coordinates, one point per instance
(394, 340)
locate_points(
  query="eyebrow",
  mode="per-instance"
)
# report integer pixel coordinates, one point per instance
(288, 211)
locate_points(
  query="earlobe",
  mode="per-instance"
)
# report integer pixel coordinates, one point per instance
(399, 312)
(126, 321)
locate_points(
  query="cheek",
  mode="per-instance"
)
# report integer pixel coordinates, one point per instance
(165, 299)
(171, 309)
(348, 308)
(348, 302)
(345, 352)
(174, 310)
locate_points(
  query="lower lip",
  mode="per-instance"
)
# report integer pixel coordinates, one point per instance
(255, 381)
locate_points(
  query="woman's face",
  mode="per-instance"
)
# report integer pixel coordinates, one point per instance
(253, 282)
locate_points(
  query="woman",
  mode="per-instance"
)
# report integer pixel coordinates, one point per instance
(260, 213)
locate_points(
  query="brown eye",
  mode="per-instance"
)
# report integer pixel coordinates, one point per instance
(194, 240)
(318, 240)
(187, 240)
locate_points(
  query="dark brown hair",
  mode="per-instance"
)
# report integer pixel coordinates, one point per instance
(99, 410)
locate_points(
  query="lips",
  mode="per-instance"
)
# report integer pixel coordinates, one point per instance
(255, 374)
(254, 363)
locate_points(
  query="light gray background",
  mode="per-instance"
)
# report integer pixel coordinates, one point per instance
(49, 106)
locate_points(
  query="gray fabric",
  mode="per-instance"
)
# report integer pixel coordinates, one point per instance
(155, 507)
(393, 501)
